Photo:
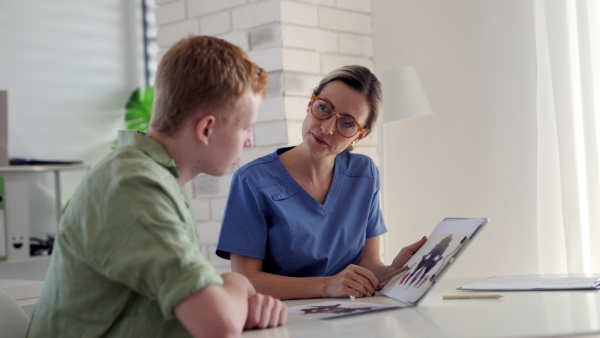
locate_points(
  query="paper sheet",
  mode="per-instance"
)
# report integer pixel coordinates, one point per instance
(508, 283)
(334, 309)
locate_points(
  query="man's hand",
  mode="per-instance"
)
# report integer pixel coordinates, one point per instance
(265, 311)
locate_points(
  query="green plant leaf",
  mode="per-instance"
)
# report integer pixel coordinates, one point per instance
(143, 126)
(134, 115)
(65, 207)
(148, 97)
(139, 109)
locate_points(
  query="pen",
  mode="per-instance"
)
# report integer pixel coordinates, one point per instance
(472, 297)
(394, 274)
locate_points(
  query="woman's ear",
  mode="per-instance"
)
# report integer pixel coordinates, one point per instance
(362, 135)
(204, 128)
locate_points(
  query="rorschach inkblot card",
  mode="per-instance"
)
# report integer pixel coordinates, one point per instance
(334, 309)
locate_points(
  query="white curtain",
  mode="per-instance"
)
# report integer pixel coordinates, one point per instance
(568, 112)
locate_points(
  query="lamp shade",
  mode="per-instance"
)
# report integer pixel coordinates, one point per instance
(3, 127)
(404, 96)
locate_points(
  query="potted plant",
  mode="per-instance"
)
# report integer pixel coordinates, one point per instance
(138, 109)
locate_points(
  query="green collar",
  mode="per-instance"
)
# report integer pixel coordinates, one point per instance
(150, 147)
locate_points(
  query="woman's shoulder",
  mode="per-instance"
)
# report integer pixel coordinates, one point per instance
(263, 170)
(357, 164)
(259, 164)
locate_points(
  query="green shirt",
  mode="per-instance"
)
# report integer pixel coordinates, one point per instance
(126, 253)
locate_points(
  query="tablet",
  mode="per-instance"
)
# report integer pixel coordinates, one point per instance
(447, 241)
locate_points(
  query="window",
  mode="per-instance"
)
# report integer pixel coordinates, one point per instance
(149, 37)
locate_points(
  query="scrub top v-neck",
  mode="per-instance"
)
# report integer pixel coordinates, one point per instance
(271, 217)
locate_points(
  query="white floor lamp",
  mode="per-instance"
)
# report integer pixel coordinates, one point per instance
(3, 127)
(403, 98)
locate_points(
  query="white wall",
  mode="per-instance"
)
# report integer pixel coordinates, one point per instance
(476, 156)
(68, 67)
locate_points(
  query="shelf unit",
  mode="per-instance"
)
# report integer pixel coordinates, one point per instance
(55, 168)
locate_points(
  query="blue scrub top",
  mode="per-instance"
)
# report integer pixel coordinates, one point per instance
(271, 217)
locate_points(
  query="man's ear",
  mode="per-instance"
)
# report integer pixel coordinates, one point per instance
(204, 128)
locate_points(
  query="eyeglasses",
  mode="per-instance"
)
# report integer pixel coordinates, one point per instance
(322, 109)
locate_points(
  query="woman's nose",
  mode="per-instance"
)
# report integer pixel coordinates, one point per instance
(328, 125)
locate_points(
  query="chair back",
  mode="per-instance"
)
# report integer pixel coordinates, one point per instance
(13, 320)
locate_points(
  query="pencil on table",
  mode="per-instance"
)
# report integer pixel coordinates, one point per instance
(472, 297)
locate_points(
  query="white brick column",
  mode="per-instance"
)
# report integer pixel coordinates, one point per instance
(297, 43)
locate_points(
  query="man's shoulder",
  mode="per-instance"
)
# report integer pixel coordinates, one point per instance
(129, 161)
(127, 173)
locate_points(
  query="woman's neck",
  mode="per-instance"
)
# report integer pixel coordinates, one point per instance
(313, 173)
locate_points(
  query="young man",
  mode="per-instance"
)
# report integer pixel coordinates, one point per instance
(127, 260)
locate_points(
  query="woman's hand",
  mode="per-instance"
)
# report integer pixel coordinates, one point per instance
(406, 253)
(353, 281)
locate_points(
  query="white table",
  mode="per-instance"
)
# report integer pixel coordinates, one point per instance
(516, 314)
(24, 277)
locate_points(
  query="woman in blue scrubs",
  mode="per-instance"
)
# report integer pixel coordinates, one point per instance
(305, 221)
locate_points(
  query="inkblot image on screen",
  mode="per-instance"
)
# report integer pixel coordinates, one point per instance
(419, 274)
